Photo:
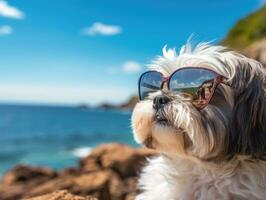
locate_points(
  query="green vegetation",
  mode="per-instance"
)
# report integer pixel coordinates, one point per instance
(248, 30)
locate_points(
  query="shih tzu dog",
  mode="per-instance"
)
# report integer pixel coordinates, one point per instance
(204, 110)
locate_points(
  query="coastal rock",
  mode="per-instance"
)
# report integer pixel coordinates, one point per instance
(108, 173)
(129, 105)
(248, 30)
(61, 195)
(257, 51)
(24, 173)
(122, 159)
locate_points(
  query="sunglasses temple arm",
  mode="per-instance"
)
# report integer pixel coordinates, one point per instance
(225, 82)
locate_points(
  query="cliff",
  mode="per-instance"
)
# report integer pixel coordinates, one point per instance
(248, 30)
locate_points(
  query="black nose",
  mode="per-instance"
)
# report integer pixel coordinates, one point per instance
(160, 101)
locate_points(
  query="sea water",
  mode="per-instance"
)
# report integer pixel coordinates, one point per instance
(57, 136)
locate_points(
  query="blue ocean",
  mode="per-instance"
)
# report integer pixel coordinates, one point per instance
(57, 136)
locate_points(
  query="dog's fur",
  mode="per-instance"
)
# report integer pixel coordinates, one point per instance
(215, 153)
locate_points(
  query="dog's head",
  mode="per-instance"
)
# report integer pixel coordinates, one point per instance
(234, 121)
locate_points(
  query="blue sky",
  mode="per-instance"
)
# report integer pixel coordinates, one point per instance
(91, 51)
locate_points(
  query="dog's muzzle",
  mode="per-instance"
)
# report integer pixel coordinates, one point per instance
(160, 101)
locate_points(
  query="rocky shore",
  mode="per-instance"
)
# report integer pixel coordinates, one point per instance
(108, 173)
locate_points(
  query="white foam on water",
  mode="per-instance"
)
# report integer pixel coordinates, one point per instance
(82, 152)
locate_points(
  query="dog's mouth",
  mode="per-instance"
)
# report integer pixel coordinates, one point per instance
(161, 119)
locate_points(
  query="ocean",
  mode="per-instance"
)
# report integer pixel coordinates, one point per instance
(57, 137)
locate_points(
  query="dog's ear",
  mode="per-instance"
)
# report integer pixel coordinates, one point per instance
(247, 133)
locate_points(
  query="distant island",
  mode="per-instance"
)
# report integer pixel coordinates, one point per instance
(129, 105)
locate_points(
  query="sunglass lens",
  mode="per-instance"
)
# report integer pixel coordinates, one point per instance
(149, 82)
(197, 84)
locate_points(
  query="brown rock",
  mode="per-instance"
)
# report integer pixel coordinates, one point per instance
(131, 103)
(61, 195)
(11, 192)
(91, 164)
(96, 183)
(128, 105)
(91, 182)
(59, 183)
(109, 173)
(24, 173)
(257, 51)
(122, 159)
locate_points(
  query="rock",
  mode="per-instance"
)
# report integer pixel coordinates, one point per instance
(129, 105)
(59, 183)
(24, 173)
(247, 30)
(108, 173)
(92, 183)
(257, 51)
(61, 195)
(122, 159)
(21, 179)
(12, 192)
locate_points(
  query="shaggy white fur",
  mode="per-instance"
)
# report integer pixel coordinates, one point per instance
(167, 178)
(214, 153)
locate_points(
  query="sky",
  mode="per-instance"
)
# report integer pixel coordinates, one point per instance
(93, 51)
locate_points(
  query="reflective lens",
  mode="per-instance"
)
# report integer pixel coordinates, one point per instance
(149, 82)
(197, 84)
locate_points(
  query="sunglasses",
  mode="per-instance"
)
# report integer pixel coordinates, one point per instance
(196, 84)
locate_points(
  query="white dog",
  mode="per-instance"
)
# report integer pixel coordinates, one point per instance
(212, 152)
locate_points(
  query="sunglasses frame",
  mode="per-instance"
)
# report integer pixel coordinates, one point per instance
(218, 79)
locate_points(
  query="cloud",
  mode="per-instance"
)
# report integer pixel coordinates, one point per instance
(131, 67)
(9, 11)
(98, 28)
(128, 67)
(6, 30)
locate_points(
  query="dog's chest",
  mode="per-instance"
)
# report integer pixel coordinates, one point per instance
(160, 180)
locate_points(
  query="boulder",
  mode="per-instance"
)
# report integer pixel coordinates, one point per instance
(24, 173)
(108, 173)
(61, 195)
(257, 51)
(122, 159)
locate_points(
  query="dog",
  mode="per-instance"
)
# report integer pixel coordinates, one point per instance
(217, 152)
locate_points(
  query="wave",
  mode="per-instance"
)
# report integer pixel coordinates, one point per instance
(82, 152)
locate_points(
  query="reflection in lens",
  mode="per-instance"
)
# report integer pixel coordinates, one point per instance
(196, 84)
(149, 82)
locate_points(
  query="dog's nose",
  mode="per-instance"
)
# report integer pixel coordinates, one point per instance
(160, 101)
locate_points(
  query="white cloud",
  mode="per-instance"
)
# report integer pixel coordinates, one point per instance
(128, 67)
(6, 30)
(98, 28)
(131, 67)
(10, 11)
